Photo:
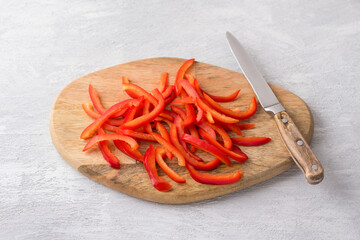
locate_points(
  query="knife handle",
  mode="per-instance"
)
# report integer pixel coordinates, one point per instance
(298, 148)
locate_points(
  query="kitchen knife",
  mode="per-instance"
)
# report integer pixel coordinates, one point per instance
(298, 148)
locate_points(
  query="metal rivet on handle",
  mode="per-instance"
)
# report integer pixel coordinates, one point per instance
(299, 142)
(314, 167)
(284, 120)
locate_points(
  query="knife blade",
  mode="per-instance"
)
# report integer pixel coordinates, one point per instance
(295, 143)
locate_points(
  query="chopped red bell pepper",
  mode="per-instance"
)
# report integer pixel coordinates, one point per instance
(215, 114)
(246, 126)
(107, 154)
(192, 93)
(181, 73)
(88, 108)
(170, 98)
(125, 79)
(137, 122)
(164, 133)
(92, 128)
(168, 146)
(164, 82)
(179, 111)
(171, 173)
(201, 144)
(182, 101)
(223, 134)
(135, 91)
(150, 165)
(111, 136)
(138, 135)
(250, 141)
(208, 178)
(197, 88)
(229, 98)
(126, 148)
(193, 132)
(95, 99)
(190, 115)
(167, 93)
(200, 165)
(146, 111)
(209, 117)
(237, 115)
(238, 157)
(207, 128)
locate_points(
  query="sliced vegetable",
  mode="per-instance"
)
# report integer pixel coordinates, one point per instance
(208, 178)
(107, 154)
(229, 98)
(150, 165)
(180, 74)
(250, 141)
(206, 147)
(111, 136)
(160, 152)
(164, 82)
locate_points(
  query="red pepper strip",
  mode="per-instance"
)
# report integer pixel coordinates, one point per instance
(189, 159)
(250, 141)
(192, 93)
(88, 108)
(215, 114)
(193, 132)
(223, 134)
(209, 117)
(164, 133)
(167, 114)
(138, 135)
(92, 128)
(235, 128)
(95, 99)
(168, 146)
(208, 178)
(238, 115)
(246, 126)
(170, 99)
(229, 98)
(110, 127)
(135, 91)
(171, 173)
(147, 118)
(146, 110)
(206, 147)
(161, 119)
(210, 140)
(168, 91)
(179, 111)
(125, 79)
(190, 78)
(164, 82)
(181, 101)
(126, 148)
(207, 129)
(150, 165)
(180, 74)
(190, 115)
(197, 88)
(107, 154)
(238, 151)
(130, 114)
(111, 136)
(180, 131)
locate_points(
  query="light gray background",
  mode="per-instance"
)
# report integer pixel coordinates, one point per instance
(311, 48)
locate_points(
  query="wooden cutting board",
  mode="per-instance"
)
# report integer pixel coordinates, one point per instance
(67, 120)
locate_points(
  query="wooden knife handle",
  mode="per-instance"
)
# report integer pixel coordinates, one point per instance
(298, 148)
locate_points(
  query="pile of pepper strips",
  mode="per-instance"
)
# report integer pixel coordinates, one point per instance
(189, 112)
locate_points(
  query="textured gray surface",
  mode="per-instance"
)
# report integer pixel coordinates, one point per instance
(308, 47)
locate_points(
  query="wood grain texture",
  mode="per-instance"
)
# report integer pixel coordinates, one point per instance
(299, 149)
(68, 120)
